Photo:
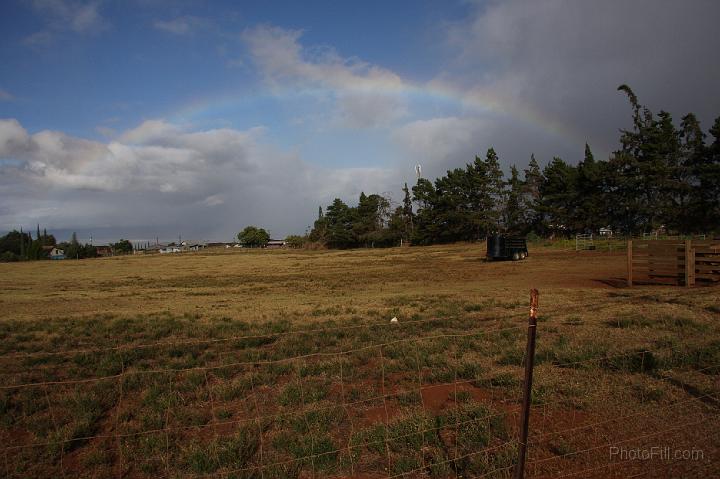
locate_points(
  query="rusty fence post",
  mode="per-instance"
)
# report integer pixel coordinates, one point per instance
(527, 394)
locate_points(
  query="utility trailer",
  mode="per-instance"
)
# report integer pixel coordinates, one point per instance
(506, 247)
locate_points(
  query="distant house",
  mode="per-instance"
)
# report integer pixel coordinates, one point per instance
(274, 244)
(103, 250)
(170, 249)
(606, 231)
(57, 253)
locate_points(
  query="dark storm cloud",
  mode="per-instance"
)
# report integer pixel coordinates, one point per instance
(562, 61)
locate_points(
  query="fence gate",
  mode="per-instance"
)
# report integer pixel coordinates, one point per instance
(675, 262)
(707, 261)
(583, 242)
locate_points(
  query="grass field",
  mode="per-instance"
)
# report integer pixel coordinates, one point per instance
(272, 364)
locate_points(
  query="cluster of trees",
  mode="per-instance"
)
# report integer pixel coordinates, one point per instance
(20, 246)
(122, 247)
(662, 176)
(371, 223)
(253, 237)
(74, 250)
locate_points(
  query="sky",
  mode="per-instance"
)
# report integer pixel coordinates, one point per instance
(147, 119)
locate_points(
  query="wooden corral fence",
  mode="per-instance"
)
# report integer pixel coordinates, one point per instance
(676, 262)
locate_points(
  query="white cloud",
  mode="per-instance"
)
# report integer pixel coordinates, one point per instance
(167, 175)
(13, 138)
(150, 132)
(438, 139)
(366, 95)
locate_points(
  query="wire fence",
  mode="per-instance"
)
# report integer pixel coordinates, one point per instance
(425, 398)
(609, 242)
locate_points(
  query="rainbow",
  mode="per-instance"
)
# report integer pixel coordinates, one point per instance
(476, 101)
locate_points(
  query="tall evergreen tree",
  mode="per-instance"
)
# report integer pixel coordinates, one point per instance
(558, 196)
(496, 187)
(709, 182)
(407, 214)
(637, 169)
(692, 193)
(513, 217)
(532, 185)
(340, 225)
(589, 214)
(426, 222)
(452, 210)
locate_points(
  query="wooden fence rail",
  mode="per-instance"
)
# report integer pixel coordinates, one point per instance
(675, 262)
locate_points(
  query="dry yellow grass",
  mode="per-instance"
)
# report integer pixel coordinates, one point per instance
(630, 361)
(257, 284)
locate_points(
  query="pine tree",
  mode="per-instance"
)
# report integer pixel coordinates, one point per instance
(558, 196)
(407, 214)
(426, 223)
(512, 214)
(496, 186)
(340, 225)
(450, 211)
(589, 215)
(692, 194)
(639, 170)
(530, 200)
(709, 182)
(479, 200)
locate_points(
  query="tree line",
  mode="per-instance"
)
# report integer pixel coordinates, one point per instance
(662, 176)
(20, 246)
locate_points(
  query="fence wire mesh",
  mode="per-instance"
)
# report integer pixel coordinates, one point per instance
(426, 398)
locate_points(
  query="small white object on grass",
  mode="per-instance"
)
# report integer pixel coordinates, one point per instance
(394, 320)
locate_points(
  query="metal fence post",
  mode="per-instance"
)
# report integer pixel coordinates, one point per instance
(527, 394)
